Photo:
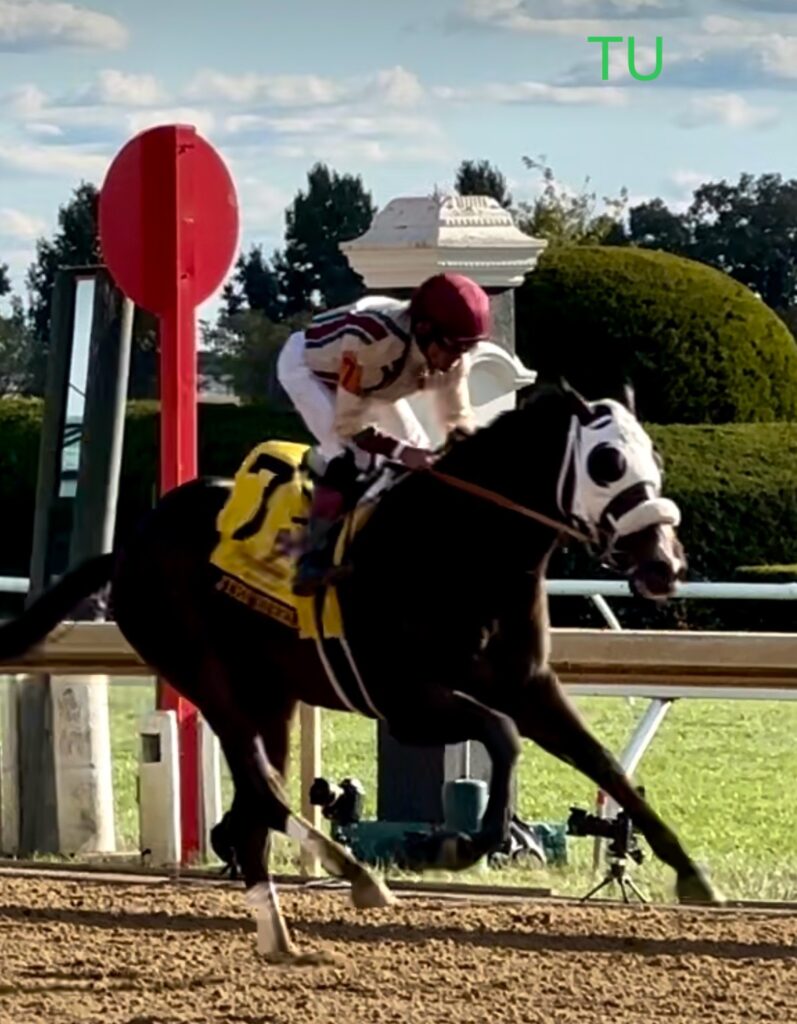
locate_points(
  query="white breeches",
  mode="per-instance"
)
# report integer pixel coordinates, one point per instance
(316, 405)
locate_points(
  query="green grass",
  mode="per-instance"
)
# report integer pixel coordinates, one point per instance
(720, 772)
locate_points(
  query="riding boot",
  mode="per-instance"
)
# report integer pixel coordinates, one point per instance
(314, 568)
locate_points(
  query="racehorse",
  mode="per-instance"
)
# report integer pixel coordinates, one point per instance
(446, 623)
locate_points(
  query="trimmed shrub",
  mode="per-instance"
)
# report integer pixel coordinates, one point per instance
(698, 346)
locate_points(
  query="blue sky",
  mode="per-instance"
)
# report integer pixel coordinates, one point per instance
(399, 93)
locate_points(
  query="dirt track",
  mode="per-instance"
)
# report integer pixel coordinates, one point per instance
(144, 954)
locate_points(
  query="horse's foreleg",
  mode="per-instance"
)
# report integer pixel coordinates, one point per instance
(544, 714)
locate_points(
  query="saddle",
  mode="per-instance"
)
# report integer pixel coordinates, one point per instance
(260, 535)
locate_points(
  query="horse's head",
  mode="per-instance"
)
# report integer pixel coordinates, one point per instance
(610, 484)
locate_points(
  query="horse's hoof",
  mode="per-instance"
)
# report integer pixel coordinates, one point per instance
(368, 892)
(695, 887)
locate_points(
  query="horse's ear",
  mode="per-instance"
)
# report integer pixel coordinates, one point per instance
(578, 403)
(628, 397)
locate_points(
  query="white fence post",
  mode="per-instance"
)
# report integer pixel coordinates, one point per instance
(9, 768)
(159, 789)
(210, 782)
(82, 758)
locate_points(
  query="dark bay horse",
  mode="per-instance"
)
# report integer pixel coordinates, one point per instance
(446, 621)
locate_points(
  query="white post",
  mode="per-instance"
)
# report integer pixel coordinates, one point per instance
(9, 768)
(159, 790)
(210, 781)
(82, 758)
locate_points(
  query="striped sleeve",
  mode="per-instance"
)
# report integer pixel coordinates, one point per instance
(367, 328)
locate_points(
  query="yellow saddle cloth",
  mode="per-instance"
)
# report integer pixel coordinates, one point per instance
(261, 528)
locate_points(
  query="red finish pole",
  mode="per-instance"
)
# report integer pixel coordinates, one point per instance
(178, 447)
(169, 230)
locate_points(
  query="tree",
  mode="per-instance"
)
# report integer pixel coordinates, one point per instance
(564, 218)
(15, 347)
(747, 229)
(312, 269)
(653, 225)
(482, 179)
(246, 345)
(74, 244)
(255, 285)
(5, 283)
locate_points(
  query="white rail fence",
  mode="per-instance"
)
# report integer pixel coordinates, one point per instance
(660, 666)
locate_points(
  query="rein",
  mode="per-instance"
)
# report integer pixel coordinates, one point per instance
(498, 499)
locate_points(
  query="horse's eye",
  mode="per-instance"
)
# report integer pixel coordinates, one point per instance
(606, 464)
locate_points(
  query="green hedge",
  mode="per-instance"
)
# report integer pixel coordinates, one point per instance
(736, 485)
(698, 346)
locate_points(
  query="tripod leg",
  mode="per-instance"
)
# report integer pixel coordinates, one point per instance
(635, 890)
(602, 884)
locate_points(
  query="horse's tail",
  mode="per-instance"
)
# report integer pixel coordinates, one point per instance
(48, 610)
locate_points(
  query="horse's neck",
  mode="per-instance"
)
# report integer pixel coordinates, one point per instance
(518, 457)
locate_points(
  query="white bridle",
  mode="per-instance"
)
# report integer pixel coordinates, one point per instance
(610, 479)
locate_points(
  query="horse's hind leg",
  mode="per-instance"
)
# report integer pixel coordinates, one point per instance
(544, 714)
(249, 823)
(366, 889)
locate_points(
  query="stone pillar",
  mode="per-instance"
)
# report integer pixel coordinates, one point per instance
(411, 239)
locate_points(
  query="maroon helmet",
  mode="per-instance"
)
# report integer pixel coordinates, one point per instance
(452, 310)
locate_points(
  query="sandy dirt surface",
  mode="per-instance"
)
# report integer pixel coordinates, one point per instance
(83, 950)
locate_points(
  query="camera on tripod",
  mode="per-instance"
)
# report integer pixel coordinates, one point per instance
(343, 804)
(620, 831)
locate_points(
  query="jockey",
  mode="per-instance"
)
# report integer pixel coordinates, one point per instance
(349, 374)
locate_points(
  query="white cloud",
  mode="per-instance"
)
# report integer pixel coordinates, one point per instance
(116, 89)
(392, 87)
(346, 122)
(203, 120)
(766, 6)
(562, 17)
(729, 109)
(270, 90)
(779, 55)
(27, 25)
(25, 101)
(56, 160)
(20, 226)
(688, 179)
(349, 153)
(262, 205)
(535, 93)
(398, 87)
(722, 25)
(43, 130)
